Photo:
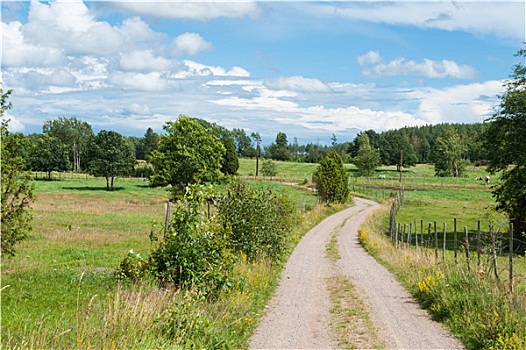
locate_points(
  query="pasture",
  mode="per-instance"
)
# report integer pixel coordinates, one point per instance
(59, 290)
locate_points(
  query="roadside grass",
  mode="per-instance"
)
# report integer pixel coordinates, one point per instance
(59, 291)
(476, 307)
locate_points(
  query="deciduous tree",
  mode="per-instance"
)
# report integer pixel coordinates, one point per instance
(74, 133)
(111, 156)
(448, 154)
(506, 145)
(48, 153)
(16, 186)
(188, 154)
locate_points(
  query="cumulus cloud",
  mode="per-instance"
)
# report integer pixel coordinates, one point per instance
(299, 84)
(178, 9)
(72, 29)
(17, 52)
(143, 61)
(191, 68)
(428, 68)
(371, 57)
(470, 103)
(137, 109)
(189, 44)
(138, 81)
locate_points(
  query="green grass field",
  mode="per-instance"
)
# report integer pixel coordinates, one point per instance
(58, 291)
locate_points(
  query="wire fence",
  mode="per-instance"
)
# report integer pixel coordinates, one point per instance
(478, 249)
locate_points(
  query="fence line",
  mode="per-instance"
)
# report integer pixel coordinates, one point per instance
(491, 242)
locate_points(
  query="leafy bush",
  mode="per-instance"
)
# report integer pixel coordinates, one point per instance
(259, 221)
(193, 253)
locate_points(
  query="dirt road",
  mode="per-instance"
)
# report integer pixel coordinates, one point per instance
(298, 315)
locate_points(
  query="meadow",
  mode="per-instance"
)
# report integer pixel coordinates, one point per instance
(59, 291)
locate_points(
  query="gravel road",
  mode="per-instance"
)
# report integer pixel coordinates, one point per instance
(298, 314)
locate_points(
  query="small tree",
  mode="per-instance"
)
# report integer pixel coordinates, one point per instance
(367, 158)
(49, 154)
(448, 154)
(188, 154)
(331, 179)
(17, 190)
(112, 156)
(268, 168)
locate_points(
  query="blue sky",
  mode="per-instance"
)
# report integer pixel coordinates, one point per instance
(309, 69)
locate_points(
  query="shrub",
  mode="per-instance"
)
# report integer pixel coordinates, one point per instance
(259, 221)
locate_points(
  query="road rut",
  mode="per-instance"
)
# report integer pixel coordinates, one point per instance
(298, 315)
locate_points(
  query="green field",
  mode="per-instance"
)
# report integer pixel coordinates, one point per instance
(58, 292)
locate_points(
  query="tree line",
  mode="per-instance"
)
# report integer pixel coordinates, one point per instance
(195, 151)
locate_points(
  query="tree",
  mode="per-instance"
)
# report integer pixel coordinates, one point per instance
(111, 156)
(280, 149)
(74, 133)
(187, 154)
(17, 190)
(367, 158)
(48, 153)
(331, 179)
(268, 168)
(149, 143)
(244, 145)
(505, 143)
(229, 161)
(448, 154)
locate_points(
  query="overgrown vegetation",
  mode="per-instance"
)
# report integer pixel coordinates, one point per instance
(81, 232)
(478, 309)
(17, 190)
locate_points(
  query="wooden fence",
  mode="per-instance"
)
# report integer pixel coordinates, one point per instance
(460, 246)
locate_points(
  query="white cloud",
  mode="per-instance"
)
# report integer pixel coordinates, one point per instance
(137, 109)
(191, 68)
(471, 103)
(143, 61)
(138, 81)
(371, 57)
(482, 17)
(18, 52)
(179, 9)
(299, 84)
(188, 44)
(427, 68)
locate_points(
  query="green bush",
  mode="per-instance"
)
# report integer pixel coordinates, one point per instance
(259, 221)
(194, 252)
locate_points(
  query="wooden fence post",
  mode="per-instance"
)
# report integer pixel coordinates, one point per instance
(416, 236)
(409, 236)
(494, 250)
(511, 257)
(478, 244)
(455, 237)
(436, 241)
(466, 238)
(444, 245)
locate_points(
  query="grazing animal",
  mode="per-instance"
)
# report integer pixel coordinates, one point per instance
(487, 179)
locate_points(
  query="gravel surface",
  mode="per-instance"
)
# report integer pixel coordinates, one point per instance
(298, 314)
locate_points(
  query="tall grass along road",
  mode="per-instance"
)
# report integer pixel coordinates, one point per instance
(299, 316)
